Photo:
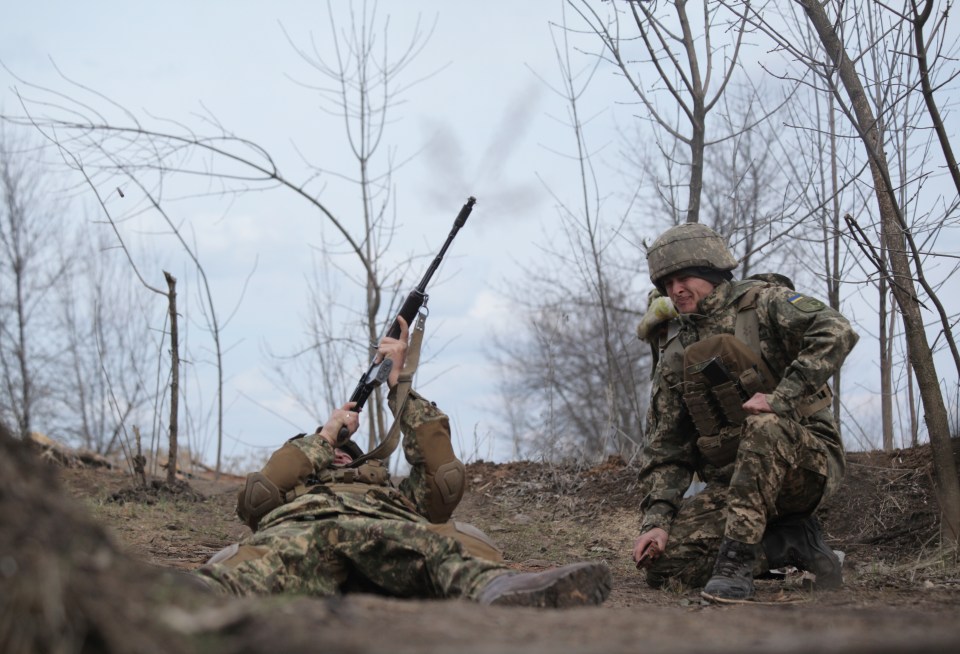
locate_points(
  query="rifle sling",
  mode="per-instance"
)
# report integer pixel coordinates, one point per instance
(386, 447)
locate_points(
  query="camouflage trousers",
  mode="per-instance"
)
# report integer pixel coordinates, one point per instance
(348, 553)
(781, 469)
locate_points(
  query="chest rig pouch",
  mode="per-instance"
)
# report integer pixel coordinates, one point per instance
(371, 471)
(720, 373)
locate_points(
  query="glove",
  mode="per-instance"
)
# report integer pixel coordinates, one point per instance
(659, 310)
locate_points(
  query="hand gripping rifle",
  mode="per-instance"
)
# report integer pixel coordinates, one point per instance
(378, 372)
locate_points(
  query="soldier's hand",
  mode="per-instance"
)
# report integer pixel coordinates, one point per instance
(649, 547)
(395, 349)
(757, 404)
(344, 416)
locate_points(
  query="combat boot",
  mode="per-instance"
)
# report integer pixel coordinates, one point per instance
(732, 579)
(577, 584)
(798, 541)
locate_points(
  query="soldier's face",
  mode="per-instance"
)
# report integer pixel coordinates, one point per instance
(341, 458)
(685, 291)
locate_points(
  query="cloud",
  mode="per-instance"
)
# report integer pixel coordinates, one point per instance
(489, 307)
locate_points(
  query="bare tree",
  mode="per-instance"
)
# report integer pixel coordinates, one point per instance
(897, 239)
(894, 71)
(554, 366)
(364, 92)
(360, 82)
(174, 423)
(748, 195)
(824, 157)
(170, 295)
(896, 123)
(31, 265)
(684, 61)
(84, 350)
(900, 260)
(107, 348)
(575, 369)
(918, 15)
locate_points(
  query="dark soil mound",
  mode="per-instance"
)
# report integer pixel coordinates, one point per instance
(155, 491)
(886, 508)
(66, 586)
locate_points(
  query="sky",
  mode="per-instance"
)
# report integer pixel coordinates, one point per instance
(480, 122)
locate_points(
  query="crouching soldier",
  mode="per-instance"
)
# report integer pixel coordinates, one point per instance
(739, 397)
(324, 525)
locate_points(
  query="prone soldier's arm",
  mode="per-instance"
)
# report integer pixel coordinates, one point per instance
(286, 469)
(266, 490)
(437, 478)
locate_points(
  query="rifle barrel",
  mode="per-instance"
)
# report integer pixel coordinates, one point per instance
(459, 222)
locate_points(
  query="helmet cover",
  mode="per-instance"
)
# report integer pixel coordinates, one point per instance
(690, 245)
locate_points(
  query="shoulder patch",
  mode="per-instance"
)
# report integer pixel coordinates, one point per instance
(805, 303)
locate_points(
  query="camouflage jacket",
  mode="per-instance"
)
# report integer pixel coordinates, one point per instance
(404, 501)
(802, 340)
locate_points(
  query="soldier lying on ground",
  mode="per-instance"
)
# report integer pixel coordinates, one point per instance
(323, 528)
(740, 397)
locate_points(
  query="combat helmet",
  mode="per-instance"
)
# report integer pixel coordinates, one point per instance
(690, 245)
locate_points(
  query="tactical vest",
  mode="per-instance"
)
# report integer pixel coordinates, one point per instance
(718, 374)
(747, 330)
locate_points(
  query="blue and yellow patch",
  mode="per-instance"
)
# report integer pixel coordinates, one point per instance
(806, 304)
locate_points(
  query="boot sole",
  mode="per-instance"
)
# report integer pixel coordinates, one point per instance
(578, 584)
(727, 600)
(754, 600)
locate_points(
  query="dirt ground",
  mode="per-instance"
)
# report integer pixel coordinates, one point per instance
(901, 593)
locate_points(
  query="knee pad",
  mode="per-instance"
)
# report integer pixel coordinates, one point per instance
(446, 484)
(444, 473)
(266, 490)
(257, 498)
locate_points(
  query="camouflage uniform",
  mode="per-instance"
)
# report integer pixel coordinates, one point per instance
(341, 537)
(785, 464)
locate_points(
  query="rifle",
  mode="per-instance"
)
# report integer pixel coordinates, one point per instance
(378, 372)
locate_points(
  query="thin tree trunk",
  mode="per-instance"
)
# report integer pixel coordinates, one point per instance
(886, 366)
(698, 119)
(174, 376)
(833, 258)
(26, 394)
(914, 423)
